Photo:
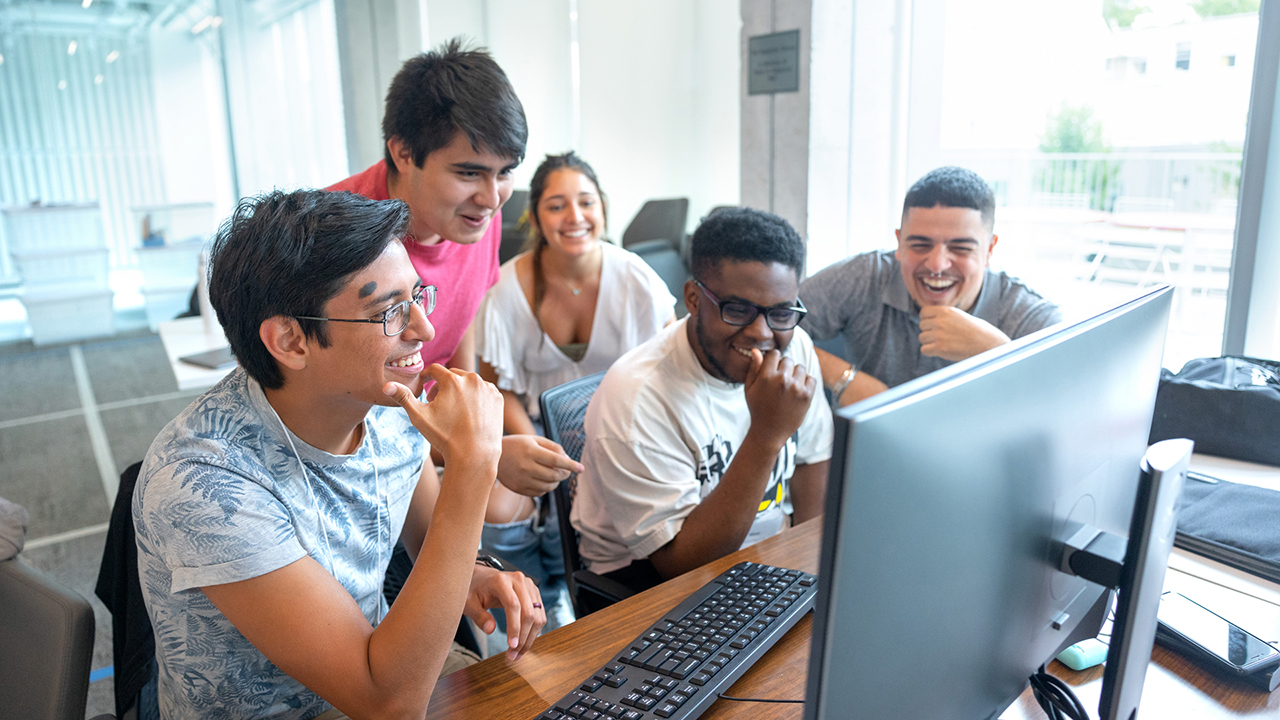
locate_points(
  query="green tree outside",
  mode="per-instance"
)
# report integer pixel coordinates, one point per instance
(1214, 8)
(1121, 13)
(1074, 130)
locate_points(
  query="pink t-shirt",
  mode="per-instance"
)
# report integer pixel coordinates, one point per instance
(462, 273)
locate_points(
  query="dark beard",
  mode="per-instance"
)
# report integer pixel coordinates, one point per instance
(717, 370)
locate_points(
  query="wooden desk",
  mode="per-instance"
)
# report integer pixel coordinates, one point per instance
(497, 689)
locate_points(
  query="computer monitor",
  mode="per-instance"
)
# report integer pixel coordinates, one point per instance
(948, 507)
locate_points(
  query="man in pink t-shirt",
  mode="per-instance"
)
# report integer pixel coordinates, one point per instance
(454, 131)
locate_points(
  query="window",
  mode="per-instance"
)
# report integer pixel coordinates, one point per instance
(1183, 61)
(1229, 60)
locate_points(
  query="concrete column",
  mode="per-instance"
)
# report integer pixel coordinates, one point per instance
(775, 128)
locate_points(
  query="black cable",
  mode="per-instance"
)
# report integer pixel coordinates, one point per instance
(1056, 698)
(768, 700)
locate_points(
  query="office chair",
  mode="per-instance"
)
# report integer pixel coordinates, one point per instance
(563, 409)
(513, 236)
(46, 646)
(133, 645)
(659, 220)
(664, 258)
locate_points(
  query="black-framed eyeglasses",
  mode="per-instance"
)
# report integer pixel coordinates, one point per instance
(395, 318)
(737, 312)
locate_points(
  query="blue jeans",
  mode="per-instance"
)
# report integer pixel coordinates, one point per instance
(536, 552)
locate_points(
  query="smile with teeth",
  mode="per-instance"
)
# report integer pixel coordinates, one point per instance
(938, 283)
(409, 361)
(747, 351)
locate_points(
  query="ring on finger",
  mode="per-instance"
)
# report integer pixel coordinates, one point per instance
(538, 605)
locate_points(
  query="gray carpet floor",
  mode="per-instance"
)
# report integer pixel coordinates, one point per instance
(72, 418)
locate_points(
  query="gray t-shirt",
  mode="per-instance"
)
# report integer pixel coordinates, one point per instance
(864, 299)
(221, 498)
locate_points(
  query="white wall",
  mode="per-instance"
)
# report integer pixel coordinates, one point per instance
(191, 120)
(658, 90)
(286, 97)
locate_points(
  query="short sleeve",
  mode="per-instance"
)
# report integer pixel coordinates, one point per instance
(211, 525)
(1038, 317)
(817, 431)
(824, 295)
(661, 304)
(497, 337)
(649, 492)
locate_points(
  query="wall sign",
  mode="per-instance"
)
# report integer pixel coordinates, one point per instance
(773, 63)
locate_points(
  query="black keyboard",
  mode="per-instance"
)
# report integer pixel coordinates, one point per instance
(679, 666)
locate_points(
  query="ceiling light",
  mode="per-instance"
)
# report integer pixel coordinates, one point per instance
(71, 49)
(202, 25)
(217, 21)
(111, 56)
(86, 4)
(97, 79)
(1, 59)
(62, 84)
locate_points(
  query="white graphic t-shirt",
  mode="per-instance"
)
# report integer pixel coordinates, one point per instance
(660, 433)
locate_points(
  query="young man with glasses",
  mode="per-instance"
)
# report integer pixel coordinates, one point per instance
(715, 434)
(267, 510)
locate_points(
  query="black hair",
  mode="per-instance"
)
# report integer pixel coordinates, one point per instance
(449, 90)
(537, 241)
(735, 233)
(953, 187)
(288, 254)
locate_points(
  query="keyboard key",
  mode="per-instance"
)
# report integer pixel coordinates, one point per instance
(666, 710)
(577, 711)
(632, 715)
(550, 715)
(616, 711)
(688, 690)
(591, 715)
(615, 680)
(631, 698)
(739, 643)
(678, 699)
(807, 581)
(591, 685)
(615, 668)
(667, 684)
(669, 666)
(646, 703)
(700, 679)
(683, 670)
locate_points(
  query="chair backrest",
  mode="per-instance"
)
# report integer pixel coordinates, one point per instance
(658, 220)
(46, 646)
(663, 257)
(512, 237)
(564, 407)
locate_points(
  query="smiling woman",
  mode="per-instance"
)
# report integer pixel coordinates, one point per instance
(569, 306)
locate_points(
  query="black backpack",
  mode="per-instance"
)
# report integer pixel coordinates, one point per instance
(1230, 407)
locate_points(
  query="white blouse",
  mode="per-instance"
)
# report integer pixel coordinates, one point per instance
(632, 306)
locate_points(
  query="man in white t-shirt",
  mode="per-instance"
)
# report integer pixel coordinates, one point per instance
(714, 434)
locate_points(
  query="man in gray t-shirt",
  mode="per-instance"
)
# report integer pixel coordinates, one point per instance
(931, 302)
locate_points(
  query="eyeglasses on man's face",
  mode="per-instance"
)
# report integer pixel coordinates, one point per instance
(395, 318)
(737, 312)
